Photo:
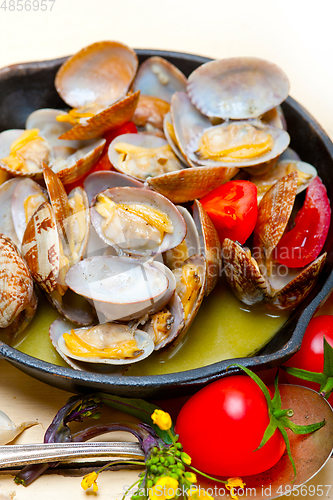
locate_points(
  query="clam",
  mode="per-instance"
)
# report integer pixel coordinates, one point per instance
(45, 120)
(305, 171)
(95, 82)
(26, 198)
(101, 121)
(101, 73)
(150, 113)
(56, 330)
(254, 280)
(190, 288)
(110, 343)
(164, 326)
(210, 243)
(175, 257)
(137, 221)
(99, 181)
(40, 248)
(22, 151)
(238, 144)
(191, 183)
(79, 163)
(142, 156)
(237, 88)
(187, 123)
(18, 302)
(6, 219)
(159, 78)
(122, 288)
(273, 215)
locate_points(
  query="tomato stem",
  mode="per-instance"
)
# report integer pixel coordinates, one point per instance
(283, 413)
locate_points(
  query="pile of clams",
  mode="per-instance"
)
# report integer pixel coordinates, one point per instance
(117, 255)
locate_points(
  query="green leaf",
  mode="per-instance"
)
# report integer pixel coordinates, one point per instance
(276, 401)
(287, 443)
(328, 359)
(270, 429)
(137, 408)
(259, 382)
(319, 378)
(301, 429)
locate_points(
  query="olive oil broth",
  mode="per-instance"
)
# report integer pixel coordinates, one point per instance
(224, 328)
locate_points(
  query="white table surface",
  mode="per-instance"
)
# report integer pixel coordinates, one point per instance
(297, 35)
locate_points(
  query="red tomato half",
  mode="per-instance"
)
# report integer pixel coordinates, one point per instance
(221, 426)
(311, 354)
(233, 210)
(104, 162)
(300, 246)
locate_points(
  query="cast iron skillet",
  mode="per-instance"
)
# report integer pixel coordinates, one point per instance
(26, 87)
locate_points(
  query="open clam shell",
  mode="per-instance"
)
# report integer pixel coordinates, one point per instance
(198, 263)
(6, 219)
(150, 113)
(243, 274)
(159, 78)
(191, 183)
(40, 248)
(211, 245)
(273, 215)
(100, 181)
(27, 197)
(129, 235)
(46, 121)
(305, 171)
(174, 312)
(190, 246)
(102, 335)
(121, 287)
(100, 73)
(237, 88)
(79, 163)
(212, 137)
(30, 154)
(187, 122)
(155, 159)
(108, 119)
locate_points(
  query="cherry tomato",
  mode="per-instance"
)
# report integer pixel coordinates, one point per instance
(302, 244)
(221, 426)
(310, 357)
(104, 162)
(233, 210)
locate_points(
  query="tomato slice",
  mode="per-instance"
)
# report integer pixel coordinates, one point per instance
(233, 209)
(302, 244)
(104, 162)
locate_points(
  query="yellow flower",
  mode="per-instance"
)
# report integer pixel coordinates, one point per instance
(186, 458)
(232, 483)
(162, 419)
(165, 488)
(192, 478)
(197, 494)
(90, 480)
